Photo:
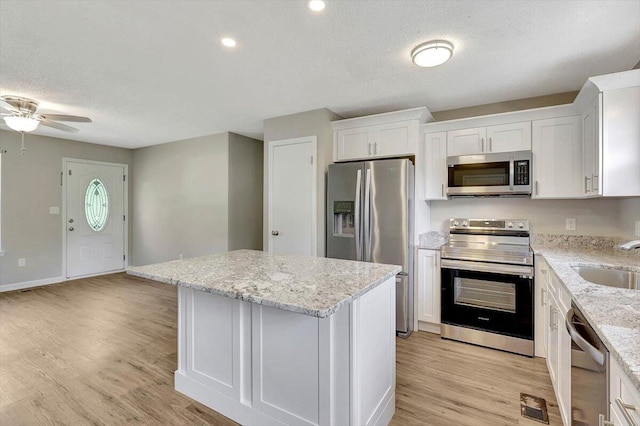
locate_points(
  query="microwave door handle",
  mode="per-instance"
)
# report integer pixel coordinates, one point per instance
(511, 172)
(358, 236)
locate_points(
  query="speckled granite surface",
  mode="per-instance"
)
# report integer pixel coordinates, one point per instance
(614, 313)
(432, 240)
(312, 286)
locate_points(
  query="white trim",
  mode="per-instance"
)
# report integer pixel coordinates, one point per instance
(66, 160)
(314, 194)
(30, 284)
(421, 114)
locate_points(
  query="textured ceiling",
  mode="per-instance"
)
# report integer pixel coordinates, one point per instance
(149, 72)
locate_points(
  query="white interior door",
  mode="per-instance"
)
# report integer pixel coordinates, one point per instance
(95, 218)
(292, 196)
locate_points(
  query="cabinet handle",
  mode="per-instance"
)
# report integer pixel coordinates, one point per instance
(482, 143)
(553, 318)
(369, 148)
(442, 189)
(375, 148)
(594, 182)
(603, 422)
(586, 184)
(543, 297)
(537, 188)
(624, 408)
(490, 147)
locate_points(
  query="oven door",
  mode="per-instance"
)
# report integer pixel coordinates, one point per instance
(491, 297)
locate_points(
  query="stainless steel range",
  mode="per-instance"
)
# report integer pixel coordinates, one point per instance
(487, 284)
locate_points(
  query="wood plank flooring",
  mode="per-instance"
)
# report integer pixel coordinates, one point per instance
(102, 351)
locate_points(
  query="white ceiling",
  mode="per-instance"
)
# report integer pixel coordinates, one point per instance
(150, 72)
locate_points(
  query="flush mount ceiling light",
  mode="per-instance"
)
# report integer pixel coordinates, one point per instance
(229, 42)
(316, 5)
(432, 53)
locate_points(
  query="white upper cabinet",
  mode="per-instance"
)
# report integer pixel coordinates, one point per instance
(509, 137)
(393, 134)
(484, 140)
(610, 106)
(557, 158)
(435, 161)
(466, 141)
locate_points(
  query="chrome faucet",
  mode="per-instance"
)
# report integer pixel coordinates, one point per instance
(635, 244)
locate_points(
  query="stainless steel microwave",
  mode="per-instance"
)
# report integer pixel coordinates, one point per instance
(502, 174)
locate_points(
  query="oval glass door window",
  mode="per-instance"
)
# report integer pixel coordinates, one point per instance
(96, 205)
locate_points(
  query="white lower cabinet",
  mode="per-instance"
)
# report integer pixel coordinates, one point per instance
(541, 307)
(559, 345)
(624, 397)
(428, 290)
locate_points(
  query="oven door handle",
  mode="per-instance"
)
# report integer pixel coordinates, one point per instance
(495, 268)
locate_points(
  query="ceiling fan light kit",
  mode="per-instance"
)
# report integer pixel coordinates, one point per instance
(432, 53)
(21, 124)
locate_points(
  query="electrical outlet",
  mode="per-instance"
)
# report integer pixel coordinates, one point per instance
(54, 210)
(571, 224)
(637, 228)
(22, 262)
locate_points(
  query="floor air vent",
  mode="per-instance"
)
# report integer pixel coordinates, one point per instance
(534, 408)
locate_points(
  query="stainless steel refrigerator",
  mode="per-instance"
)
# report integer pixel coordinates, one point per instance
(370, 218)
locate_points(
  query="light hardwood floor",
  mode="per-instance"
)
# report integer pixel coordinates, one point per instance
(102, 351)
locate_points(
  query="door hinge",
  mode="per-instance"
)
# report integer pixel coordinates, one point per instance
(124, 178)
(312, 159)
(124, 257)
(124, 218)
(69, 172)
(61, 176)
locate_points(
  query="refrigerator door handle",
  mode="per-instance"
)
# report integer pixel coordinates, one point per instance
(367, 217)
(358, 236)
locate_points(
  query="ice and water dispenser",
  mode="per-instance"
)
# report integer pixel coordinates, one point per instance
(343, 218)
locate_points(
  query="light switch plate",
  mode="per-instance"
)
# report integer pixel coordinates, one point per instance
(22, 262)
(571, 224)
(54, 210)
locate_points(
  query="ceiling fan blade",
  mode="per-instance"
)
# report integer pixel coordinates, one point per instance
(6, 105)
(58, 126)
(62, 117)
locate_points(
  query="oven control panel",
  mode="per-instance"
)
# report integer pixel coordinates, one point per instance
(489, 224)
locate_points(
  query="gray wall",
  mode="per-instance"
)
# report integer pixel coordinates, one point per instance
(593, 216)
(310, 123)
(245, 192)
(180, 199)
(30, 185)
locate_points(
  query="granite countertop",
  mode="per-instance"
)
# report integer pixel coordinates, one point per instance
(614, 313)
(433, 240)
(314, 286)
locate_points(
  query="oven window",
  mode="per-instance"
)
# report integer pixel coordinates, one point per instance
(485, 174)
(494, 295)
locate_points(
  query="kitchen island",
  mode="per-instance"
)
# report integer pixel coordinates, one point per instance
(271, 339)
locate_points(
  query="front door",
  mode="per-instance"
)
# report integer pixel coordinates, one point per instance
(292, 196)
(95, 218)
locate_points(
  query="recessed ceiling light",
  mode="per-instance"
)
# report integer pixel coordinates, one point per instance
(229, 42)
(316, 5)
(432, 53)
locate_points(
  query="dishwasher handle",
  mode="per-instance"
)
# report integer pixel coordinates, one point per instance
(597, 355)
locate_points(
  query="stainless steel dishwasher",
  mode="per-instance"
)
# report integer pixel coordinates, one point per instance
(589, 373)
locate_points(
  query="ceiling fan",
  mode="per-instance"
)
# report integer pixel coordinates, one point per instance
(22, 116)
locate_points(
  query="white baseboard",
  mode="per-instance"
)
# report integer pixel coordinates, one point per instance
(429, 327)
(29, 284)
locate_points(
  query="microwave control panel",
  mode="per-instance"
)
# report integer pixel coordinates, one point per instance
(521, 172)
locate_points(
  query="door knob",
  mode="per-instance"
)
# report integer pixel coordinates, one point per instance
(275, 233)
(70, 220)
(71, 228)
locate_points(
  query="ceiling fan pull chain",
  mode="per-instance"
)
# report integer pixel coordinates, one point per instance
(22, 149)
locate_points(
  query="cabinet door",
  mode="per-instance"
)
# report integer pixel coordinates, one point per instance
(509, 137)
(435, 161)
(466, 141)
(396, 139)
(592, 146)
(552, 342)
(557, 158)
(541, 311)
(354, 144)
(428, 286)
(563, 392)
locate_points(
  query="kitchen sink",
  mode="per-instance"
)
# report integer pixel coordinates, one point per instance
(609, 277)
